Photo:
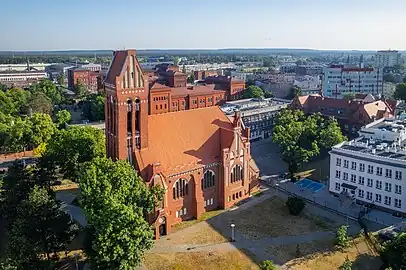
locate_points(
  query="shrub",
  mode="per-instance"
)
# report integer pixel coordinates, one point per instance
(295, 205)
(268, 265)
(342, 237)
(347, 265)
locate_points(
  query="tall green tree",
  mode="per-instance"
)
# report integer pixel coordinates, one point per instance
(93, 107)
(400, 91)
(393, 253)
(253, 92)
(68, 148)
(116, 201)
(62, 118)
(49, 89)
(40, 228)
(38, 103)
(42, 128)
(80, 90)
(302, 137)
(296, 91)
(19, 98)
(61, 79)
(6, 104)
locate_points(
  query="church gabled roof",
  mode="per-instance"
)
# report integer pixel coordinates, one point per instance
(116, 66)
(184, 140)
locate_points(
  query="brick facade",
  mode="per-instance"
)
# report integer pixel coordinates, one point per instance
(87, 77)
(199, 156)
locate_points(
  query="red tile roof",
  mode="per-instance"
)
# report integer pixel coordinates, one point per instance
(196, 90)
(184, 140)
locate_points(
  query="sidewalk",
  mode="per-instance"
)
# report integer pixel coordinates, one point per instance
(325, 200)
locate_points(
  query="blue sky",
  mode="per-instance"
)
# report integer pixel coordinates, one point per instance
(188, 24)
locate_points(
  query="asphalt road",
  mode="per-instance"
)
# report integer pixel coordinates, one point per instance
(267, 156)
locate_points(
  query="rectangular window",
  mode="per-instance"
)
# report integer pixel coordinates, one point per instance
(338, 186)
(184, 211)
(388, 200)
(378, 198)
(181, 212)
(338, 174)
(369, 195)
(361, 180)
(369, 182)
(353, 178)
(378, 184)
(398, 203)
(211, 201)
(177, 214)
(345, 163)
(398, 189)
(338, 162)
(398, 175)
(204, 203)
(345, 176)
(379, 171)
(388, 187)
(362, 167)
(360, 193)
(353, 165)
(370, 169)
(388, 173)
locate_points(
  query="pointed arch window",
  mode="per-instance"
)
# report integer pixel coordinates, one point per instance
(208, 179)
(180, 189)
(237, 174)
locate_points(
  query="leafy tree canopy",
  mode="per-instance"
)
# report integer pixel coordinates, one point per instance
(93, 107)
(80, 90)
(49, 89)
(400, 91)
(38, 103)
(68, 148)
(393, 253)
(302, 137)
(62, 118)
(253, 92)
(40, 228)
(296, 91)
(116, 201)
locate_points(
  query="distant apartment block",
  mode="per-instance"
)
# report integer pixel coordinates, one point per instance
(308, 84)
(340, 80)
(257, 114)
(371, 169)
(387, 58)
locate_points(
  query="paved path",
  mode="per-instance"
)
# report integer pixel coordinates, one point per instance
(256, 247)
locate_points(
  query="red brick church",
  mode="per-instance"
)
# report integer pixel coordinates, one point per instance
(199, 156)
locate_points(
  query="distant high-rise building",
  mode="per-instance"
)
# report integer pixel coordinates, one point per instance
(339, 80)
(387, 59)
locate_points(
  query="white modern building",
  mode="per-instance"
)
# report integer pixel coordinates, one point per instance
(387, 58)
(339, 80)
(372, 168)
(21, 78)
(257, 114)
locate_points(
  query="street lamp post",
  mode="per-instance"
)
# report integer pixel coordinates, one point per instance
(232, 233)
